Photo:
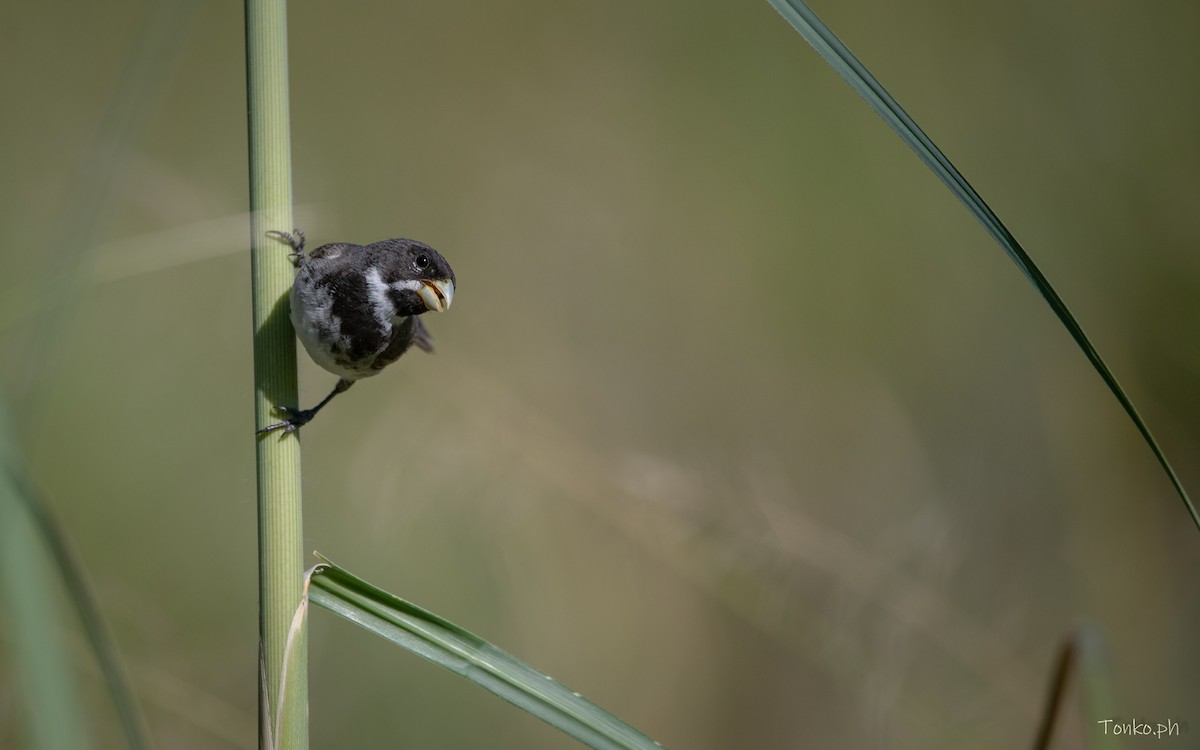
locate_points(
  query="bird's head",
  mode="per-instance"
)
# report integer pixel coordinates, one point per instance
(417, 276)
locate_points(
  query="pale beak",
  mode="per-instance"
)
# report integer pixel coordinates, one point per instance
(437, 295)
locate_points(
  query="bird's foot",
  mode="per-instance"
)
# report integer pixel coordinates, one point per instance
(295, 240)
(296, 418)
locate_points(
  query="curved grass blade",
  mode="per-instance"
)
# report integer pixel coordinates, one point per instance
(816, 33)
(292, 715)
(36, 650)
(444, 643)
(14, 480)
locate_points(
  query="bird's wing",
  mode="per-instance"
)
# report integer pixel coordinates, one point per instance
(333, 250)
(421, 336)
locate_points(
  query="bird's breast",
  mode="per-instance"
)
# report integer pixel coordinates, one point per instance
(337, 323)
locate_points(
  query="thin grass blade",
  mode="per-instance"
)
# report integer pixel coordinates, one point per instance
(816, 33)
(36, 649)
(295, 659)
(14, 481)
(444, 643)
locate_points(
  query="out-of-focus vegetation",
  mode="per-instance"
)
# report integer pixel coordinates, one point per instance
(722, 351)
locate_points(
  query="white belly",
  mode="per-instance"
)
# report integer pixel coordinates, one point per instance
(319, 330)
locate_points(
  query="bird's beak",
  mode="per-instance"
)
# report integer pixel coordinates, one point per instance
(437, 295)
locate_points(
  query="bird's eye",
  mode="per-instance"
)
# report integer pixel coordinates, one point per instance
(422, 261)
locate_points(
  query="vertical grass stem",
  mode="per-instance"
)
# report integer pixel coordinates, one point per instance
(279, 508)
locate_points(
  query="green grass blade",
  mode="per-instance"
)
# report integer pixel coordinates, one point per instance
(15, 482)
(37, 651)
(468, 655)
(295, 660)
(816, 33)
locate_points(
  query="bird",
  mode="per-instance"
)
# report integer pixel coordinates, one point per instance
(356, 308)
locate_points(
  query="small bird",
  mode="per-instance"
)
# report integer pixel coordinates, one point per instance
(355, 308)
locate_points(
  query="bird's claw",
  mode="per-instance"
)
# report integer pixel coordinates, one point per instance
(296, 418)
(295, 240)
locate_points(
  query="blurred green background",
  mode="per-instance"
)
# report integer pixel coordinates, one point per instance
(739, 424)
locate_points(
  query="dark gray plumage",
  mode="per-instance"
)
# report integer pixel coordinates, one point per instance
(355, 308)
